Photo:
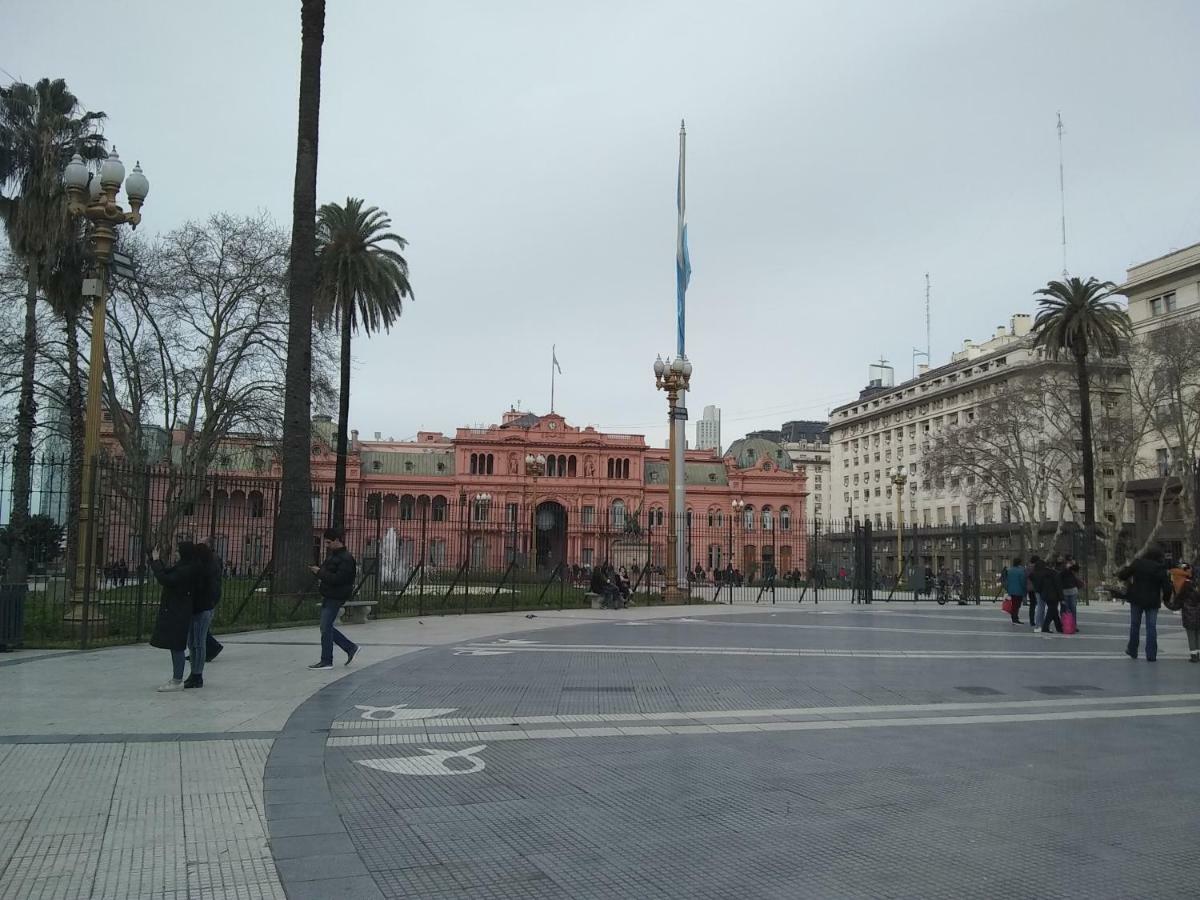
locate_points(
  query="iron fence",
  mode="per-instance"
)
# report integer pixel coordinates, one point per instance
(439, 553)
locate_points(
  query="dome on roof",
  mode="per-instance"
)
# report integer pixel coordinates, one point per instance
(751, 452)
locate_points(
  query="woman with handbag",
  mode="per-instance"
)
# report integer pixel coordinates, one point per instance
(174, 629)
(1016, 585)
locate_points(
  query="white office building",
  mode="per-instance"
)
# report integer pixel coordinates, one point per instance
(708, 429)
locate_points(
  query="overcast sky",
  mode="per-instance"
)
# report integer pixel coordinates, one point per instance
(527, 150)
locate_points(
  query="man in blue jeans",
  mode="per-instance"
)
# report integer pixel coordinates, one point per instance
(1149, 586)
(336, 579)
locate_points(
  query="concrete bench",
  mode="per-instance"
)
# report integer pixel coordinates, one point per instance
(355, 611)
(594, 599)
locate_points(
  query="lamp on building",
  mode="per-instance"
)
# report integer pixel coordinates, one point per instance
(94, 198)
(673, 377)
(899, 477)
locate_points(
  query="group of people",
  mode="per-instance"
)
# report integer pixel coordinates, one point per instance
(611, 585)
(191, 590)
(1049, 588)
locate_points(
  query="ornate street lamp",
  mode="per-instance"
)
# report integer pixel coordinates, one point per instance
(673, 377)
(899, 477)
(95, 199)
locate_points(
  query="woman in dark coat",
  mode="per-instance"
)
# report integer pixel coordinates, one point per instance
(175, 629)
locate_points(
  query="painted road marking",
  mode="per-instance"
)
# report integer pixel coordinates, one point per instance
(488, 650)
(400, 712)
(408, 765)
(434, 762)
(1006, 632)
(806, 712)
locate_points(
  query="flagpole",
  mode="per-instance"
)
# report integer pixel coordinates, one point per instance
(553, 364)
(679, 425)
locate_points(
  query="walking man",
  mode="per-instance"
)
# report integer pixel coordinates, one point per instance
(336, 579)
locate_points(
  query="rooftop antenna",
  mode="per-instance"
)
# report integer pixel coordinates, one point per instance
(928, 343)
(1062, 194)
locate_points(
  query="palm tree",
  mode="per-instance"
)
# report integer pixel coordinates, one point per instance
(41, 126)
(361, 284)
(1077, 318)
(293, 523)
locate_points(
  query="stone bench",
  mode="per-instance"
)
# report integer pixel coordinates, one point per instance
(595, 599)
(354, 612)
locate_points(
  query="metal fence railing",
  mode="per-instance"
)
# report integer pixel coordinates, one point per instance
(440, 552)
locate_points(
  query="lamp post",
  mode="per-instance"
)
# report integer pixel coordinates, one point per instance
(899, 476)
(674, 376)
(737, 505)
(95, 198)
(535, 467)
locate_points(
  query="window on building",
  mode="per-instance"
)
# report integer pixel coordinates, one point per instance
(437, 552)
(439, 508)
(510, 512)
(1162, 304)
(587, 556)
(374, 506)
(572, 466)
(785, 517)
(617, 514)
(587, 515)
(941, 515)
(1162, 461)
(768, 518)
(748, 518)
(480, 510)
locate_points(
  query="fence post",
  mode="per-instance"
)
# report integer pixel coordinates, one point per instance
(89, 580)
(145, 528)
(424, 527)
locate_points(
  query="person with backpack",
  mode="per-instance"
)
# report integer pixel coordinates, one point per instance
(1149, 586)
(1016, 585)
(1186, 601)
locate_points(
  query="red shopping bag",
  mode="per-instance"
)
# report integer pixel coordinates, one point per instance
(1007, 605)
(1068, 622)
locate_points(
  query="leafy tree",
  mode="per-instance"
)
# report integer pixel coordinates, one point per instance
(42, 543)
(1079, 319)
(361, 285)
(293, 524)
(41, 126)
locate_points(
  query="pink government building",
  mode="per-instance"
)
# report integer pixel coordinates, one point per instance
(581, 511)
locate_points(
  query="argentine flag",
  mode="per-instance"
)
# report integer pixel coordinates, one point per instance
(683, 263)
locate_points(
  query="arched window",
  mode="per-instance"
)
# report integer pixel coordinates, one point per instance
(571, 469)
(624, 468)
(611, 464)
(255, 502)
(785, 518)
(408, 504)
(374, 506)
(660, 516)
(491, 463)
(438, 508)
(720, 519)
(712, 518)
(617, 514)
(748, 518)
(562, 466)
(768, 518)
(551, 465)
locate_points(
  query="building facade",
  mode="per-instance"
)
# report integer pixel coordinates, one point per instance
(470, 497)
(708, 429)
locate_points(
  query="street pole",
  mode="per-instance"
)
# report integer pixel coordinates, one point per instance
(95, 198)
(674, 377)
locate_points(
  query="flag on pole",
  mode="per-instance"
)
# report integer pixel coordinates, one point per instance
(554, 359)
(683, 263)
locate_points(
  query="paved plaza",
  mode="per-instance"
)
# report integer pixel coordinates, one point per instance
(741, 751)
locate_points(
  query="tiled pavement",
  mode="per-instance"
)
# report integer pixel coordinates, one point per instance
(836, 752)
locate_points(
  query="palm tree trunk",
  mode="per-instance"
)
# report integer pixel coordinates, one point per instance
(1088, 461)
(339, 476)
(22, 483)
(293, 523)
(75, 418)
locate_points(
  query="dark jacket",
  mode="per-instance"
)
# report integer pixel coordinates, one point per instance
(214, 573)
(1046, 583)
(1189, 604)
(1069, 580)
(1149, 583)
(180, 584)
(336, 577)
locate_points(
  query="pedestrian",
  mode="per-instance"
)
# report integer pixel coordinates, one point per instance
(1072, 583)
(1016, 585)
(335, 578)
(1049, 593)
(214, 570)
(1035, 606)
(1149, 586)
(1186, 599)
(178, 627)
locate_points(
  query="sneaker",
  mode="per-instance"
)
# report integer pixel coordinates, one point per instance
(1195, 657)
(194, 681)
(321, 665)
(1130, 653)
(350, 654)
(172, 685)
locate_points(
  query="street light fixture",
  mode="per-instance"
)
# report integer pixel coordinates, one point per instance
(673, 376)
(94, 197)
(899, 477)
